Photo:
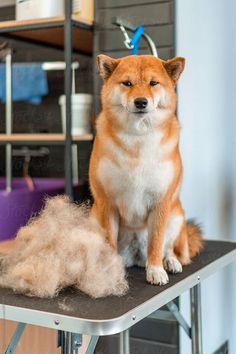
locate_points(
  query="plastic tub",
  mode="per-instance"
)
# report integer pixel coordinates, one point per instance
(30, 9)
(17, 206)
(81, 113)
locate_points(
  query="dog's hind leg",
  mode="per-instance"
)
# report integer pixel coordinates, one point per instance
(142, 241)
(127, 246)
(132, 247)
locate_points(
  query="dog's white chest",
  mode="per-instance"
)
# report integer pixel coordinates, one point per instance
(136, 183)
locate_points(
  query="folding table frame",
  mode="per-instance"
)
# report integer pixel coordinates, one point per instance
(73, 313)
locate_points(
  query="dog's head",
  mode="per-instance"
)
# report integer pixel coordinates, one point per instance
(139, 90)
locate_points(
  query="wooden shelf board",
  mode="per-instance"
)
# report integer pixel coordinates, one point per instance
(42, 137)
(14, 25)
(51, 31)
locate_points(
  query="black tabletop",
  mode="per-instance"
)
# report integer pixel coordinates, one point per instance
(74, 303)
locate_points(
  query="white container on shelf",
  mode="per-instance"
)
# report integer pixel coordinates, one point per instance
(81, 113)
(31, 9)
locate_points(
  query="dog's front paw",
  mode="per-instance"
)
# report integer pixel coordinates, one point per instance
(172, 265)
(156, 275)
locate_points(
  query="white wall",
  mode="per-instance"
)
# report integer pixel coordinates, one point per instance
(206, 31)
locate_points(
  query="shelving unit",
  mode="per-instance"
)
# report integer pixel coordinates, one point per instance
(70, 33)
(50, 31)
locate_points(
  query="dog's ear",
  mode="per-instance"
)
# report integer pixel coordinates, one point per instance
(174, 67)
(106, 65)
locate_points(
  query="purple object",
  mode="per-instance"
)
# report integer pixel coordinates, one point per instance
(17, 206)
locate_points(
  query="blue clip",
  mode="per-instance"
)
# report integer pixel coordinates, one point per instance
(135, 39)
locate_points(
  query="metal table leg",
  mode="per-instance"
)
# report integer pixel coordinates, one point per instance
(15, 339)
(92, 345)
(196, 320)
(173, 308)
(125, 342)
(69, 342)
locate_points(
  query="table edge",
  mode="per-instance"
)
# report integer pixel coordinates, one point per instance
(118, 324)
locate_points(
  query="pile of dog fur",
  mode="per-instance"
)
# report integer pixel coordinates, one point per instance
(62, 247)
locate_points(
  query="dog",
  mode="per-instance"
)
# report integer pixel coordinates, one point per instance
(136, 169)
(135, 177)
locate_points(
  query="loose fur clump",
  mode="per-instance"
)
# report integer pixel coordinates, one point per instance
(62, 247)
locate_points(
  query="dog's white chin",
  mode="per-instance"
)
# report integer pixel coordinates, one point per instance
(139, 124)
(143, 125)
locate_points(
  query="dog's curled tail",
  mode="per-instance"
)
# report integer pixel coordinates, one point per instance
(195, 239)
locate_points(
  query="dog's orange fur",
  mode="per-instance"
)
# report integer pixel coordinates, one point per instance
(140, 70)
(135, 177)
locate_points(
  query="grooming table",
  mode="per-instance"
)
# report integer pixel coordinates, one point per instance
(73, 313)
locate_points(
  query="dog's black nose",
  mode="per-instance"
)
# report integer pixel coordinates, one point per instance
(140, 102)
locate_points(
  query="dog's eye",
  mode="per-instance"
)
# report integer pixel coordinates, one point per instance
(153, 83)
(127, 83)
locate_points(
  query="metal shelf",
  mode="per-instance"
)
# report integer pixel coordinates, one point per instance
(37, 139)
(70, 33)
(50, 31)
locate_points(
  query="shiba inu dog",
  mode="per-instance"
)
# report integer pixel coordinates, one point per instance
(136, 169)
(135, 178)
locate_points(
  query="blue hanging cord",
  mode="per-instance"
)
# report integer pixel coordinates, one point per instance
(135, 39)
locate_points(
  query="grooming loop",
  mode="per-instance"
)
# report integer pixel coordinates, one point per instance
(127, 41)
(132, 43)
